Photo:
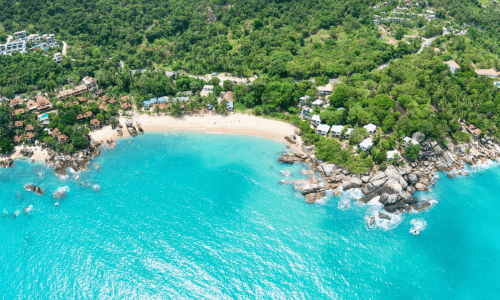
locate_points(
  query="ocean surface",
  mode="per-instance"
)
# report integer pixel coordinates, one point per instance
(204, 216)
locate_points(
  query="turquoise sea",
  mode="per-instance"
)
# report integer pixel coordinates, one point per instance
(204, 216)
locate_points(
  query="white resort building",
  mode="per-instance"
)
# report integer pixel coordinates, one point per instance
(393, 155)
(316, 119)
(336, 130)
(366, 144)
(323, 129)
(370, 128)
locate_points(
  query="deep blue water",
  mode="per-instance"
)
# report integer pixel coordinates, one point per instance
(199, 216)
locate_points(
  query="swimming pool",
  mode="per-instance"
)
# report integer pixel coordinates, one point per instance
(44, 116)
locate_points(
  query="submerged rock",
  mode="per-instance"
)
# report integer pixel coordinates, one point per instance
(59, 195)
(419, 206)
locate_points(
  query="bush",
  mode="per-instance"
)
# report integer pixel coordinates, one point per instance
(357, 135)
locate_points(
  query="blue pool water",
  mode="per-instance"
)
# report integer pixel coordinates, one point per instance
(203, 216)
(44, 116)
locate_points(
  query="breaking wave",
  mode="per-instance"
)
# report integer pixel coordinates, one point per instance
(418, 226)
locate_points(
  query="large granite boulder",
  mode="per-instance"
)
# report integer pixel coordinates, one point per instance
(391, 199)
(287, 159)
(356, 182)
(327, 169)
(393, 207)
(412, 178)
(418, 136)
(411, 190)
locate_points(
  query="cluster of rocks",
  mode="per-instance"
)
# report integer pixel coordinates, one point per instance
(26, 152)
(77, 161)
(395, 186)
(130, 127)
(33, 188)
(59, 195)
(6, 162)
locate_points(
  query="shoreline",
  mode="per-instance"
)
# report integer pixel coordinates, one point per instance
(234, 124)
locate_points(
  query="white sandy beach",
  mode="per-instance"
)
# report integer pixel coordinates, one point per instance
(232, 124)
(38, 153)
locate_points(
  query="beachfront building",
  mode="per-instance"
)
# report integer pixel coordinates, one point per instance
(20, 35)
(56, 132)
(316, 119)
(57, 57)
(30, 137)
(126, 106)
(95, 124)
(30, 127)
(393, 155)
(35, 38)
(408, 141)
(452, 65)
(207, 90)
(348, 133)
(88, 85)
(19, 111)
(476, 132)
(15, 46)
(336, 130)
(323, 129)
(16, 102)
(18, 124)
(31, 104)
(317, 102)
(366, 144)
(17, 139)
(325, 90)
(43, 104)
(303, 100)
(62, 138)
(370, 128)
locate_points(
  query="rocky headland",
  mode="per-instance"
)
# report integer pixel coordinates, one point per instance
(395, 186)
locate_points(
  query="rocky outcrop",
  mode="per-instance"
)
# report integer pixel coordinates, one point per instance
(6, 162)
(418, 136)
(33, 188)
(26, 152)
(292, 139)
(78, 161)
(395, 187)
(59, 195)
(287, 158)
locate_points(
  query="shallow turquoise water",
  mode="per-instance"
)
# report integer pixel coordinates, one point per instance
(197, 216)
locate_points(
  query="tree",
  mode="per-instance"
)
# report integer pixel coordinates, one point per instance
(257, 23)
(79, 142)
(227, 85)
(214, 81)
(412, 152)
(339, 97)
(6, 145)
(333, 117)
(217, 90)
(100, 117)
(357, 135)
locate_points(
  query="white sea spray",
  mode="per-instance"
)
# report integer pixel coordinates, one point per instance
(418, 226)
(348, 196)
(63, 189)
(286, 173)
